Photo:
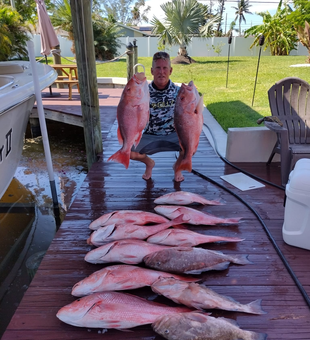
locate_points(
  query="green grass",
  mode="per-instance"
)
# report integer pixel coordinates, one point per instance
(231, 106)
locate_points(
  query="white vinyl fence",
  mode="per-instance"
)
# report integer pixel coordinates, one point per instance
(210, 47)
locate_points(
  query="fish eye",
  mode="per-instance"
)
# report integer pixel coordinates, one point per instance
(158, 263)
(166, 331)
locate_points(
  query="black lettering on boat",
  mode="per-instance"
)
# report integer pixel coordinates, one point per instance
(8, 137)
(1, 153)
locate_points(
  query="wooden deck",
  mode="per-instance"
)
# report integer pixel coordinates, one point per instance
(110, 187)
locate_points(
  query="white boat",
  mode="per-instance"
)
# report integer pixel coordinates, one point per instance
(17, 96)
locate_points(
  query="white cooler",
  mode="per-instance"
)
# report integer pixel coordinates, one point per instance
(296, 227)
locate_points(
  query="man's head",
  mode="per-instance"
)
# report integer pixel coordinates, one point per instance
(161, 69)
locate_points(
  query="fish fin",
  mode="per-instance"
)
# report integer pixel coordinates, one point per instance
(255, 307)
(231, 321)
(200, 317)
(137, 139)
(241, 259)
(199, 107)
(179, 226)
(121, 157)
(185, 165)
(179, 220)
(120, 137)
(219, 266)
(234, 220)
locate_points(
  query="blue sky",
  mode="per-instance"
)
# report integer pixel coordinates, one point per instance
(251, 19)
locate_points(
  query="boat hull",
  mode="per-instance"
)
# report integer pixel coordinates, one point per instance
(16, 102)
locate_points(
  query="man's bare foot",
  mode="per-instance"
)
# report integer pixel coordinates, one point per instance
(178, 177)
(148, 171)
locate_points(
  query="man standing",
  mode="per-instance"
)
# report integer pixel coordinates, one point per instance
(160, 134)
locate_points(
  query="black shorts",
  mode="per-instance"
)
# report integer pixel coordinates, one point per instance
(150, 144)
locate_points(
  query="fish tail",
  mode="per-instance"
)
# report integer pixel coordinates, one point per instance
(234, 220)
(241, 259)
(258, 336)
(122, 157)
(186, 164)
(255, 307)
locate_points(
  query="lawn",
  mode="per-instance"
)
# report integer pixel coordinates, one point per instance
(232, 105)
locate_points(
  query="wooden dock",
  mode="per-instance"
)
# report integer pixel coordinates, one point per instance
(109, 187)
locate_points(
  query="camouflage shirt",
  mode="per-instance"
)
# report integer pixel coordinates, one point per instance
(162, 109)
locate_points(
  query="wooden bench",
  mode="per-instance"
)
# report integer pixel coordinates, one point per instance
(70, 83)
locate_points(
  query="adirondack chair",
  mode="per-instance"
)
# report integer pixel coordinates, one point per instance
(289, 101)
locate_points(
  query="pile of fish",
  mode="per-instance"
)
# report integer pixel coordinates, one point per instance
(169, 257)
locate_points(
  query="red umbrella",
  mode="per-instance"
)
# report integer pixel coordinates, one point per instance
(48, 36)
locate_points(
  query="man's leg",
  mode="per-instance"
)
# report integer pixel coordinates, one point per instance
(149, 163)
(178, 177)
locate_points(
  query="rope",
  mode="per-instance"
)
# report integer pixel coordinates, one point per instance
(57, 52)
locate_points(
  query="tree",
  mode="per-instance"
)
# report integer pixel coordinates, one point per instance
(220, 13)
(137, 14)
(278, 31)
(241, 9)
(183, 19)
(13, 34)
(105, 38)
(62, 18)
(301, 13)
(125, 11)
(301, 19)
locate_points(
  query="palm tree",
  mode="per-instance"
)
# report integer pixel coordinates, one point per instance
(184, 19)
(13, 34)
(241, 9)
(62, 19)
(278, 31)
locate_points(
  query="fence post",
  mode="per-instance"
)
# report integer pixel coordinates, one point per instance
(135, 53)
(130, 56)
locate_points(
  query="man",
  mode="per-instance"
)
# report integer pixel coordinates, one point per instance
(160, 134)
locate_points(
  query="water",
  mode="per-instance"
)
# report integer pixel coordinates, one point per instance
(27, 218)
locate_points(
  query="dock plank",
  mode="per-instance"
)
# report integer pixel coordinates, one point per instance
(109, 187)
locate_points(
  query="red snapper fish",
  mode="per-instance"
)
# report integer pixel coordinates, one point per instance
(188, 238)
(199, 296)
(189, 326)
(188, 121)
(131, 251)
(121, 277)
(112, 232)
(127, 216)
(114, 310)
(193, 216)
(132, 116)
(184, 198)
(191, 260)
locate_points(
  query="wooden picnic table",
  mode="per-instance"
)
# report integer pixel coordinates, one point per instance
(69, 76)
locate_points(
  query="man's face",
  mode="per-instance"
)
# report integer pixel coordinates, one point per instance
(161, 71)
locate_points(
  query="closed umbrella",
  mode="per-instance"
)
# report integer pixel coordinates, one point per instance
(48, 36)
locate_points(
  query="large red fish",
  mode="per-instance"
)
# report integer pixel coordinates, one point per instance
(127, 216)
(193, 216)
(114, 310)
(188, 121)
(112, 232)
(130, 251)
(132, 116)
(188, 238)
(121, 277)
